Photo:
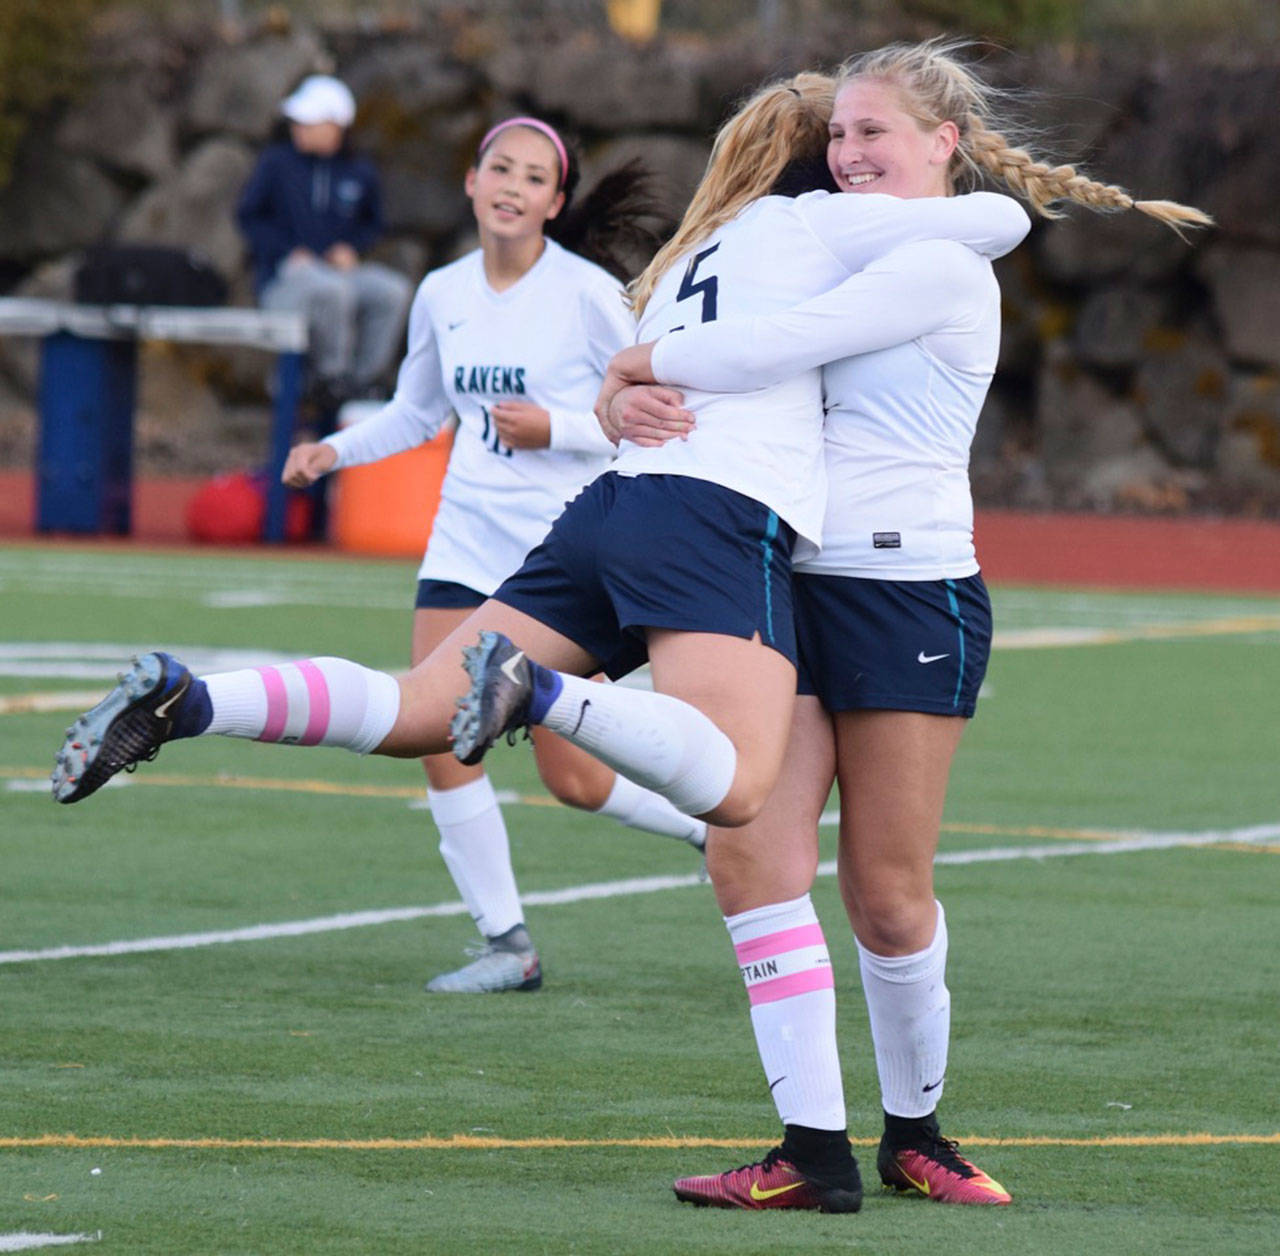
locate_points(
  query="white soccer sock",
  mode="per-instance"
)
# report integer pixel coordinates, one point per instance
(658, 741)
(473, 842)
(641, 808)
(314, 702)
(910, 1009)
(784, 961)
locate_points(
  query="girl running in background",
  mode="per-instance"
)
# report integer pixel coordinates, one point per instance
(894, 625)
(514, 338)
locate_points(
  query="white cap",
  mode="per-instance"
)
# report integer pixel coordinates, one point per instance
(320, 99)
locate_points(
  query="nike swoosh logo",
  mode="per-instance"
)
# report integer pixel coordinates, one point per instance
(935, 1085)
(922, 657)
(779, 1082)
(758, 1194)
(922, 1187)
(586, 702)
(508, 668)
(455, 326)
(162, 711)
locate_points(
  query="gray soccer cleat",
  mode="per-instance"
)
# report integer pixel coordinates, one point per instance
(491, 971)
(498, 700)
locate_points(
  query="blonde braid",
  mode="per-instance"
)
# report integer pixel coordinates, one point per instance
(935, 86)
(1041, 184)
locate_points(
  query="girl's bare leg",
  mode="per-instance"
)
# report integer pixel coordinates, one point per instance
(893, 768)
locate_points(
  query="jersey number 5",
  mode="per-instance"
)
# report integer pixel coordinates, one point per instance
(708, 288)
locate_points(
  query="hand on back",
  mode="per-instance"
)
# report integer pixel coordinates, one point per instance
(647, 414)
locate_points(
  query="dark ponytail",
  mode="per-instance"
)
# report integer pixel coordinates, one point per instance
(618, 225)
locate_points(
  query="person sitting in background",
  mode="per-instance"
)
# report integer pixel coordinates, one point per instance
(309, 211)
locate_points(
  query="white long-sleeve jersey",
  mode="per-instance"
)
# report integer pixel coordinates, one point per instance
(767, 442)
(911, 344)
(546, 340)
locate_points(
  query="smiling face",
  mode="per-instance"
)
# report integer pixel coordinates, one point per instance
(877, 146)
(515, 187)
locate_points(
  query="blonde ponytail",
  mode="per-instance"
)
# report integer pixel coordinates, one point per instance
(778, 124)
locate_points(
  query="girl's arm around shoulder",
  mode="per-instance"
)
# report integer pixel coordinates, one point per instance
(859, 227)
(911, 291)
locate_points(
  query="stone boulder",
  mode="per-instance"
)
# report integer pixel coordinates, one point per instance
(56, 202)
(122, 126)
(603, 84)
(1079, 422)
(1139, 480)
(1182, 390)
(1248, 457)
(1224, 116)
(178, 414)
(237, 88)
(1245, 283)
(420, 120)
(1074, 104)
(1114, 322)
(410, 78)
(1088, 248)
(195, 207)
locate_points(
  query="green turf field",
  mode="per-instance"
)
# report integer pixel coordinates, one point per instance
(1116, 1009)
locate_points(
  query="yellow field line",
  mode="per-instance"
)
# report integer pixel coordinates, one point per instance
(280, 785)
(350, 790)
(1071, 638)
(1203, 628)
(42, 703)
(337, 788)
(471, 1142)
(1029, 830)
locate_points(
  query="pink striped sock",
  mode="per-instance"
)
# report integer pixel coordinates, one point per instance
(783, 957)
(314, 702)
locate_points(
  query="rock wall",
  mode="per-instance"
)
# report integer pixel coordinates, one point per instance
(1138, 372)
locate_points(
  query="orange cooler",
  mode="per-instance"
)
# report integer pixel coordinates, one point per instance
(388, 507)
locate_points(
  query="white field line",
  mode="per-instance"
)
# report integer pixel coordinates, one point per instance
(1124, 843)
(94, 660)
(25, 1241)
(69, 660)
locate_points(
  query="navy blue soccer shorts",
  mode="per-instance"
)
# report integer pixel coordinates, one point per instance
(446, 595)
(893, 645)
(658, 551)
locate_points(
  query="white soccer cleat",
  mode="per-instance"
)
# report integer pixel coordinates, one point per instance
(490, 972)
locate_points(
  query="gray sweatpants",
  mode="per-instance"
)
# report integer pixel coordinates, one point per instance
(355, 316)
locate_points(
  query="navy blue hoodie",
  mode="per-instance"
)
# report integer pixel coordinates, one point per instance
(295, 198)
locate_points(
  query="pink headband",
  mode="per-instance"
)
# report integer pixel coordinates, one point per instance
(543, 128)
